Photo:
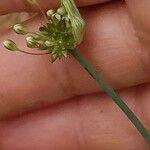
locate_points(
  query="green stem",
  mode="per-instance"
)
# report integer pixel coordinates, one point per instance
(110, 91)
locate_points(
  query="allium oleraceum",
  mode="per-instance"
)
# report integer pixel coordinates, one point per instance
(62, 31)
(60, 35)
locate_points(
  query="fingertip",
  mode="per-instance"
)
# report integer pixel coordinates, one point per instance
(9, 6)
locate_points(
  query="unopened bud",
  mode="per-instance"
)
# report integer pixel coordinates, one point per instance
(49, 43)
(42, 45)
(10, 45)
(31, 42)
(67, 21)
(20, 29)
(61, 10)
(50, 12)
(58, 17)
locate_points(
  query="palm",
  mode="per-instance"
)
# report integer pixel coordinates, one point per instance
(85, 118)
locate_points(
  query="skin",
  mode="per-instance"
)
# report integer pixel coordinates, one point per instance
(58, 106)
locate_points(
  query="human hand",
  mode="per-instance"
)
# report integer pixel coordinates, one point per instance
(82, 117)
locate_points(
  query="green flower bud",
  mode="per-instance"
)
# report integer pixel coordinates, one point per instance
(42, 45)
(36, 36)
(61, 10)
(49, 43)
(50, 12)
(31, 42)
(67, 21)
(10, 45)
(58, 17)
(20, 29)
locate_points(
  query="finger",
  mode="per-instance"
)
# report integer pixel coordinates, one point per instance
(141, 17)
(8, 6)
(29, 82)
(67, 127)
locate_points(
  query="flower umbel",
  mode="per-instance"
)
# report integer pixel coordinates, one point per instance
(62, 31)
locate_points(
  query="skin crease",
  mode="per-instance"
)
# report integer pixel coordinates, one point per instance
(116, 52)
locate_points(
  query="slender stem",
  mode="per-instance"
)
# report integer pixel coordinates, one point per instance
(110, 91)
(43, 13)
(30, 53)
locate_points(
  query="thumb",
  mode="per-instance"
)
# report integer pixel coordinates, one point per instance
(139, 10)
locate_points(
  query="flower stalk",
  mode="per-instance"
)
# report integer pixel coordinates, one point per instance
(62, 33)
(110, 92)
